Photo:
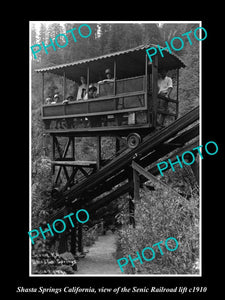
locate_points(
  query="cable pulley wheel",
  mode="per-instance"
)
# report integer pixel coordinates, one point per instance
(133, 140)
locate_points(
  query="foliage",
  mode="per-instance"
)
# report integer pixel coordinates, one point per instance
(160, 215)
(40, 189)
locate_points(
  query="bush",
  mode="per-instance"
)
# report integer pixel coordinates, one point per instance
(41, 189)
(160, 215)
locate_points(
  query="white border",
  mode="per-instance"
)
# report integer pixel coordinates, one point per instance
(30, 152)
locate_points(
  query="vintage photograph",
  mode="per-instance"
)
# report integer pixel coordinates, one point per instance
(115, 148)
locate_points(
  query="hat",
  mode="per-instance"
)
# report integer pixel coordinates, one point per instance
(92, 87)
(108, 71)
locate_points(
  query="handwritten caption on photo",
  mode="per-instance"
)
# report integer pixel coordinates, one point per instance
(55, 227)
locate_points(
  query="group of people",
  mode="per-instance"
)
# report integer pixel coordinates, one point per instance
(83, 93)
(165, 86)
(93, 89)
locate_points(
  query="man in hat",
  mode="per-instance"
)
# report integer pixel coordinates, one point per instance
(92, 92)
(108, 75)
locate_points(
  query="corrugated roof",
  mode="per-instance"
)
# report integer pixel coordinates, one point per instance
(130, 62)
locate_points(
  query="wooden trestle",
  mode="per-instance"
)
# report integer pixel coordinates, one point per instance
(100, 185)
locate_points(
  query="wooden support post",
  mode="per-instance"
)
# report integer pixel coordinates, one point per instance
(73, 154)
(131, 203)
(53, 154)
(117, 145)
(136, 181)
(43, 90)
(131, 212)
(98, 152)
(155, 88)
(147, 100)
(151, 177)
(114, 66)
(62, 155)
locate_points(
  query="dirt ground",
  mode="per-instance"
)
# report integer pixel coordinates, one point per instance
(101, 257)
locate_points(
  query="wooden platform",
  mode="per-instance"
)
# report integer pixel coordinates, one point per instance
(77, 163)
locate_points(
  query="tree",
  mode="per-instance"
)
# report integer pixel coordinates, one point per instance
(151, 33)
(42, 38)
(103, 37)
(33, 34)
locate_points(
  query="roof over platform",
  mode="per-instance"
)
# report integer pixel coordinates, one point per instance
(129, 63)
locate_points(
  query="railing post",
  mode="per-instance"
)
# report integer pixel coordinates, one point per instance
(43, 91)
(155, 88)
(131, 203)
(114, 66)
(145, 81)
(64, 86)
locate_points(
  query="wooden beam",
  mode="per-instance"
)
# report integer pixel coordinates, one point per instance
(117, 145)
(151, 177)
(114, 66)
(43, 91)
(53, 154)
(62, 155)
(64, 86)
(147, 103)
(73, 147)
(83, 171)
(136, 181)
(71, 179)
(87, 164)
(98, 138)
(105, 200)
(151, 143)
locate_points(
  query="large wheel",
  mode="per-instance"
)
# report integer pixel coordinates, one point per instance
(133, 140)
